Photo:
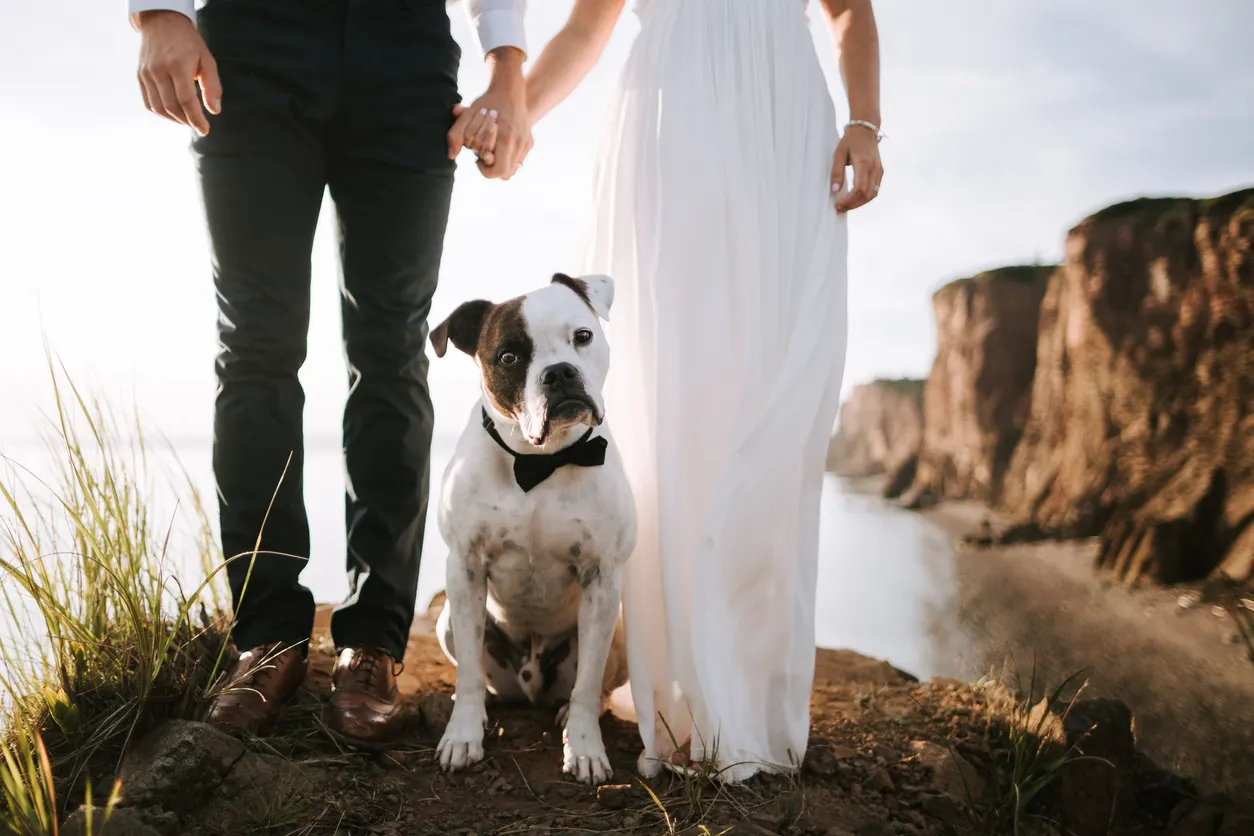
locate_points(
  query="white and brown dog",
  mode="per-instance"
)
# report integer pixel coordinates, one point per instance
(538, 518)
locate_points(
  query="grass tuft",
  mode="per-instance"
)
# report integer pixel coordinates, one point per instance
(1029, 748)
(101, 640)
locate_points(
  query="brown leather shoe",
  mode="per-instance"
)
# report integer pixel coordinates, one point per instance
(365, 708)
(258, 685)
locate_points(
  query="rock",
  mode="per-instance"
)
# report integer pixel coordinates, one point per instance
(874, 828)
(844, 753)
(1236, 824)
(881, 426)
(177, 766)
(880, 781)
(121, 822)
(1192, 818)
(950, 773)
(1095, 793)
(977, 397)
(1139, 428)
(887, 754)
(943, 808)
(901, 477)
(257, 783)
(436, 709)
(820, 760)
(615, 796)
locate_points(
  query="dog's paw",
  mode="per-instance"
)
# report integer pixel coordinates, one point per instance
(583, 752)
(462, 743)
(648, 767)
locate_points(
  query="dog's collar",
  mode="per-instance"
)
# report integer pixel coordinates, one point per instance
(530, 469)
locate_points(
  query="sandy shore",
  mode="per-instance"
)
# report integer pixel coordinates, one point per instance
(1191, 688)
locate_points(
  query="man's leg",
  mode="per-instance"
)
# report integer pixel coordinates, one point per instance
(263, 173)
(391, 181)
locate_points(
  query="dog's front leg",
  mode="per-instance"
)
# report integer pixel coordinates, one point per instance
(462, 743)
(583, 753)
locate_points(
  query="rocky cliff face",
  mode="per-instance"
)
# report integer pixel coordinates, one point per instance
(1142, 409)
(975, 403)
(881, 426)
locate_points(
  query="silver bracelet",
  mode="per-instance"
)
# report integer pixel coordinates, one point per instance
(879, 135)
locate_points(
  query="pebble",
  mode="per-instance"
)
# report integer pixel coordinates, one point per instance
(880, 781)
(615, 796)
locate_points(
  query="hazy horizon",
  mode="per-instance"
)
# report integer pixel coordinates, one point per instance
(1006, 125)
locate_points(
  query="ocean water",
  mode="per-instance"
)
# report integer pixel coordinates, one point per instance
(885, 580)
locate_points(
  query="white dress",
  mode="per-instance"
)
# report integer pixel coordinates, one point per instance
(714, 215)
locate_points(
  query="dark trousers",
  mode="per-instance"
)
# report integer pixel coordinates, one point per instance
(355, 96)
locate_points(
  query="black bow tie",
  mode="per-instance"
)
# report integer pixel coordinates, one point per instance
(530, 469)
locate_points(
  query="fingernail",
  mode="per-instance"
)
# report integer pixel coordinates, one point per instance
(835, 186)
(483, 111)
(492, 113)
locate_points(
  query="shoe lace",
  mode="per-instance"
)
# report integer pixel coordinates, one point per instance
(366, 661)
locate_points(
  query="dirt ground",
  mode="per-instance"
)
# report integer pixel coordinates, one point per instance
(888, 756)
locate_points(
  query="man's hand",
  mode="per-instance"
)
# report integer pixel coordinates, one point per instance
(860, 149)
(172, 58)
(502, 141)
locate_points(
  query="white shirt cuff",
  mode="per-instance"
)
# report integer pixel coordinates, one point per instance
(500, 28)
(187, 7)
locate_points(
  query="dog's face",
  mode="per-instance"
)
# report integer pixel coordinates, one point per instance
(543, 357)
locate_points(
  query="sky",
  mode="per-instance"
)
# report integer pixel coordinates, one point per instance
(1007, 123)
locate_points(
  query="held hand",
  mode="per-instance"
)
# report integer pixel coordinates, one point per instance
(859, 148)
(481, 132)
(503, 140)
(172, 58)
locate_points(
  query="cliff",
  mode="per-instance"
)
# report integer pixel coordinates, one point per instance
(975, 402)
(881, 426)
(1141, 427)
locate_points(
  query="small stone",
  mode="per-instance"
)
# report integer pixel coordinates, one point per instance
(950, 772)
(880, 781)
(561, 789)
(943, 808)
(1237, 824)
(1193, 819)
(436, 709)
(887, 754)
(874, 828)
(819, 760)
(615, 796)
(1189, 600)
(843, 753)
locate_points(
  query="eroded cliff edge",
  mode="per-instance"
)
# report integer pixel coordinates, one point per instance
(1141, 422)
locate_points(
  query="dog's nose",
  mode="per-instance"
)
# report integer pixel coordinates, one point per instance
(558, 374)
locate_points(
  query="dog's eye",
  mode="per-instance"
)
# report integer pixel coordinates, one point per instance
(583, 336)
(507, 358)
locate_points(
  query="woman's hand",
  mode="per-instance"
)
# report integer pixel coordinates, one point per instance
(480, 135)
(859, 147)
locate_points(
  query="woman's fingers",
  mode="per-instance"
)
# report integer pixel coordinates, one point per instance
(484, 138)
(839, 161)
(866, 183)
(474, 126)
(487, 146)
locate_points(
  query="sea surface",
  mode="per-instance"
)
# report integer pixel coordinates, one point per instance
(886, 580)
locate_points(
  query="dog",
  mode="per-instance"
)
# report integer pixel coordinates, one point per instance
(539, 520)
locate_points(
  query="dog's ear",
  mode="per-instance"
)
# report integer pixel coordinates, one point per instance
(462, 328)
(596, 290)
